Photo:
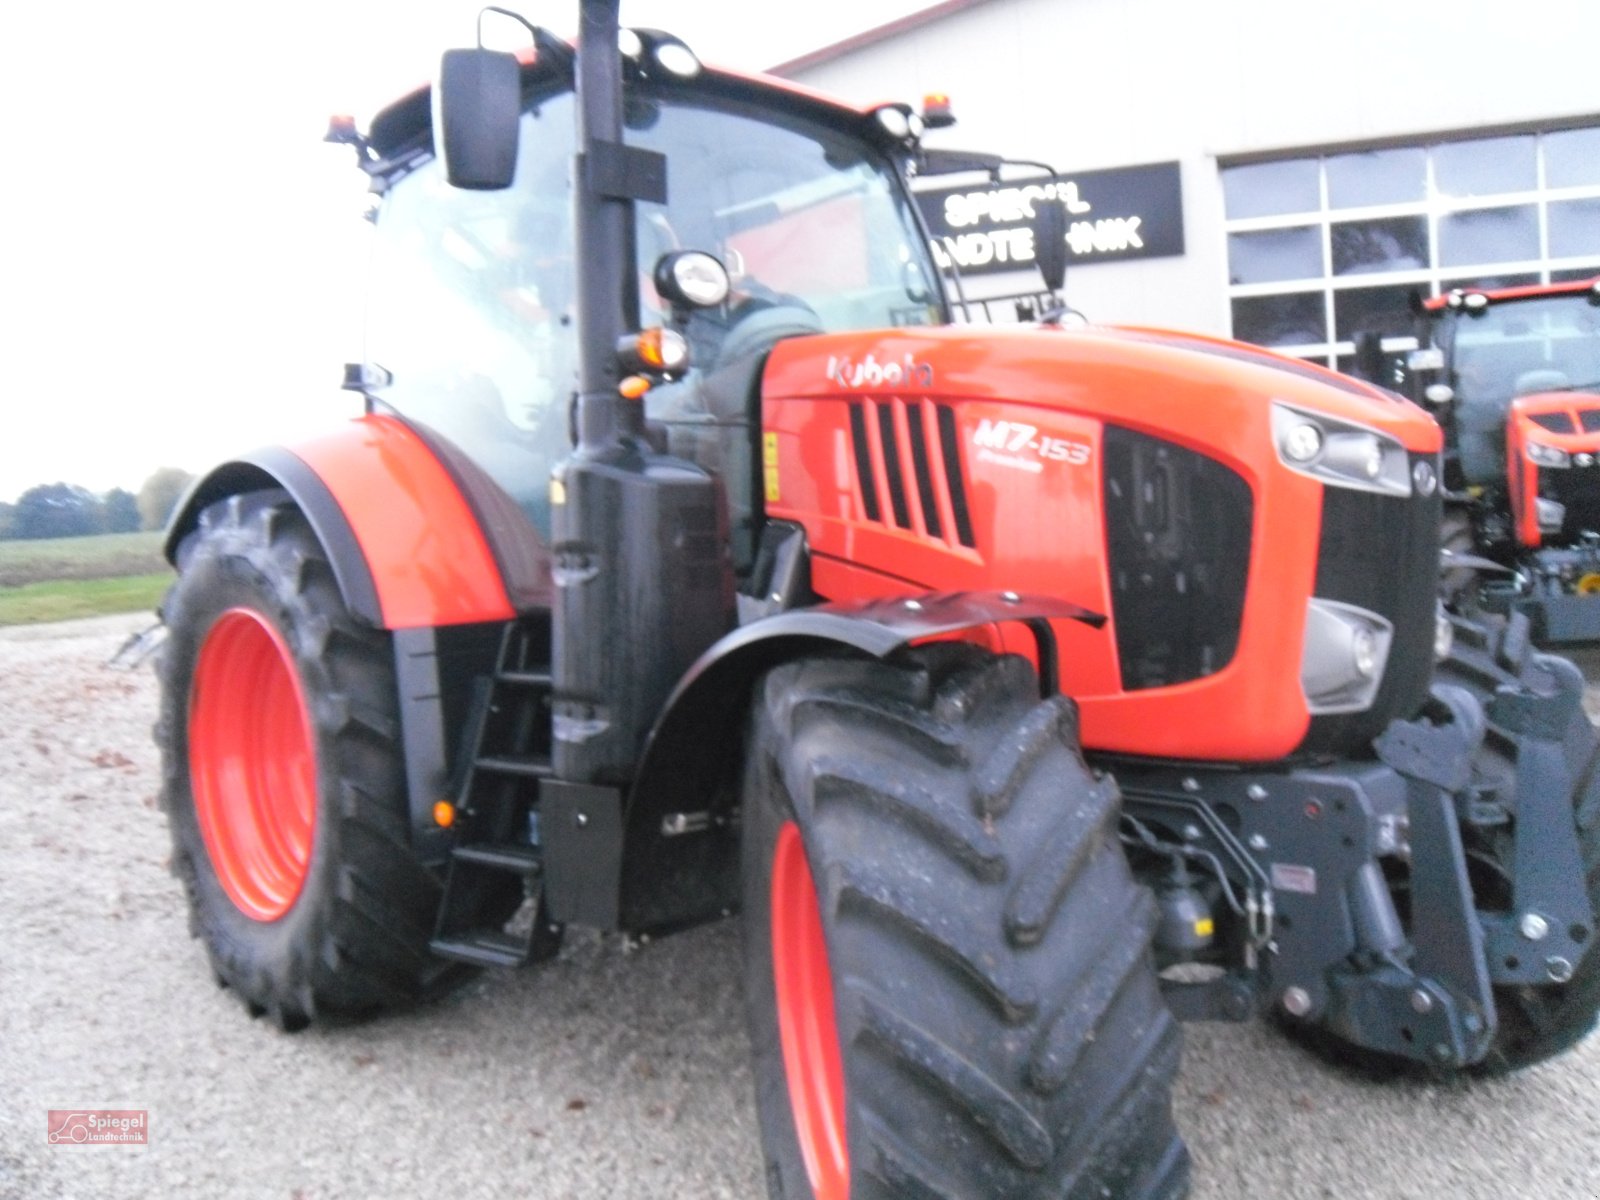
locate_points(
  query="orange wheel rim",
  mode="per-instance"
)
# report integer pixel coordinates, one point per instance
(807, 1027)
(252, 764)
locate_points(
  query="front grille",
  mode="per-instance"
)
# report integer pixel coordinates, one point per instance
(1381, 553)
(1178, 532)
(896, 433)
(1555, 422)
(1579, 489)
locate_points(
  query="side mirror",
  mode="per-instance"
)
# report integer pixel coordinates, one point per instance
(1050, 242)
(476, 103)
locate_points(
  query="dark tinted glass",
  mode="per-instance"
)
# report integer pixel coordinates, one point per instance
(1275, 254)
(1288, 320)
(1383, 310)
(1574, 228)
(1487, 235)
(1572, 157)
(1392, 376)
(1386, 244)
(1377, 177)
(1485, 166)
(1268, 189)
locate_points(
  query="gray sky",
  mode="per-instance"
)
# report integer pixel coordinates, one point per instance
(183, 254)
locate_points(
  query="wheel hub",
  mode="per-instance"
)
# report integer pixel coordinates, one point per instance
(252, 764)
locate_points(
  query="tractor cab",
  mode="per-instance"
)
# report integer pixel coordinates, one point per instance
(755, 221)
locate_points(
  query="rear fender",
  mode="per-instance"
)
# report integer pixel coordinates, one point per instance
(680, 859)
(417, 534)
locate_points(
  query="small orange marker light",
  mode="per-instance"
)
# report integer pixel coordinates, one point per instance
(634, 387)
(936, 112)
(444, 814)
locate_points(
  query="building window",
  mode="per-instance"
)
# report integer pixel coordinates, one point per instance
(1323, 247)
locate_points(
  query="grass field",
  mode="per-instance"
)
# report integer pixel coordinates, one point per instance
(65, 578)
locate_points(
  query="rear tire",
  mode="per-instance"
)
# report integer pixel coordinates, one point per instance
(283, 779)
(948, 971)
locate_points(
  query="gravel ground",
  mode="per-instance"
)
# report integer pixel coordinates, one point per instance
(608, 1072)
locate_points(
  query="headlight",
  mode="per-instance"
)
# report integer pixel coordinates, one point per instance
(1339, 452)
(1345, 652)
(1548, 456)
(1302, 442)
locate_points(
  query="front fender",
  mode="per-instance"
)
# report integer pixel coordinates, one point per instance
(680, 859)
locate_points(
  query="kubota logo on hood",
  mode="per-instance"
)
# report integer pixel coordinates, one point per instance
(870, 373)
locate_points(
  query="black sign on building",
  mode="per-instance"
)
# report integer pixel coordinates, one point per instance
(1112, 215)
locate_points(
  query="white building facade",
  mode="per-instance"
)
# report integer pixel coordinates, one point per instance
(1319, 161)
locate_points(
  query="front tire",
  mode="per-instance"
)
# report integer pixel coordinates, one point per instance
(948, 972)
(283, 779)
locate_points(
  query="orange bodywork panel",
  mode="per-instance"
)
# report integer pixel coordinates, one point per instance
(1524, 426)
(1035, 519)
(428, 557)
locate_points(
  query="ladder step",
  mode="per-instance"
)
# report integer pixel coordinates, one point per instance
(526, 678)
(528, 765)
(502, 856)
(484, 948)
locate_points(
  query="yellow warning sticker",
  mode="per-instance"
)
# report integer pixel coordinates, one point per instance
(1204, 927)
(769, 464)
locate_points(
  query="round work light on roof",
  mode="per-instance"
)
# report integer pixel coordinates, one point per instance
(677, 59)
(894, 121)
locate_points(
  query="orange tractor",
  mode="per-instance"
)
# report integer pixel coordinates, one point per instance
(1024, 689)
(1515, 374)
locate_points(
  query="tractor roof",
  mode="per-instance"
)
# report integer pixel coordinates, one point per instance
(1533, 291)
(404, 127)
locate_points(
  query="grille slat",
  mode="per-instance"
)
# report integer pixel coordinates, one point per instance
(919, 461)
(891, 466)
(955, 477)
(865, 475)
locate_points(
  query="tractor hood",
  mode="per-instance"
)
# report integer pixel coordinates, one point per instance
(1199, 492)
(1148, 378)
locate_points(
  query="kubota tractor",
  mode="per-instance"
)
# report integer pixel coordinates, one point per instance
(1515, 376)
(1023, 688)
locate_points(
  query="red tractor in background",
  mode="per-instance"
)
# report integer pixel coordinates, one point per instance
(1515, 376)
(1024, 689)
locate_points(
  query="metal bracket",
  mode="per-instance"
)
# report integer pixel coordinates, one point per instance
(621, 172)
(581, 828)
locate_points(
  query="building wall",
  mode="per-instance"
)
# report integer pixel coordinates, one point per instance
(1089, 84)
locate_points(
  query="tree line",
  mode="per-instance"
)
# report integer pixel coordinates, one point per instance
(61, 510)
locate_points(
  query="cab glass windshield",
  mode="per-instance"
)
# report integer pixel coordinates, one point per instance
(472, 294)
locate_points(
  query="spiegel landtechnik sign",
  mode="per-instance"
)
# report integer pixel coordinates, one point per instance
(1112, 215)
